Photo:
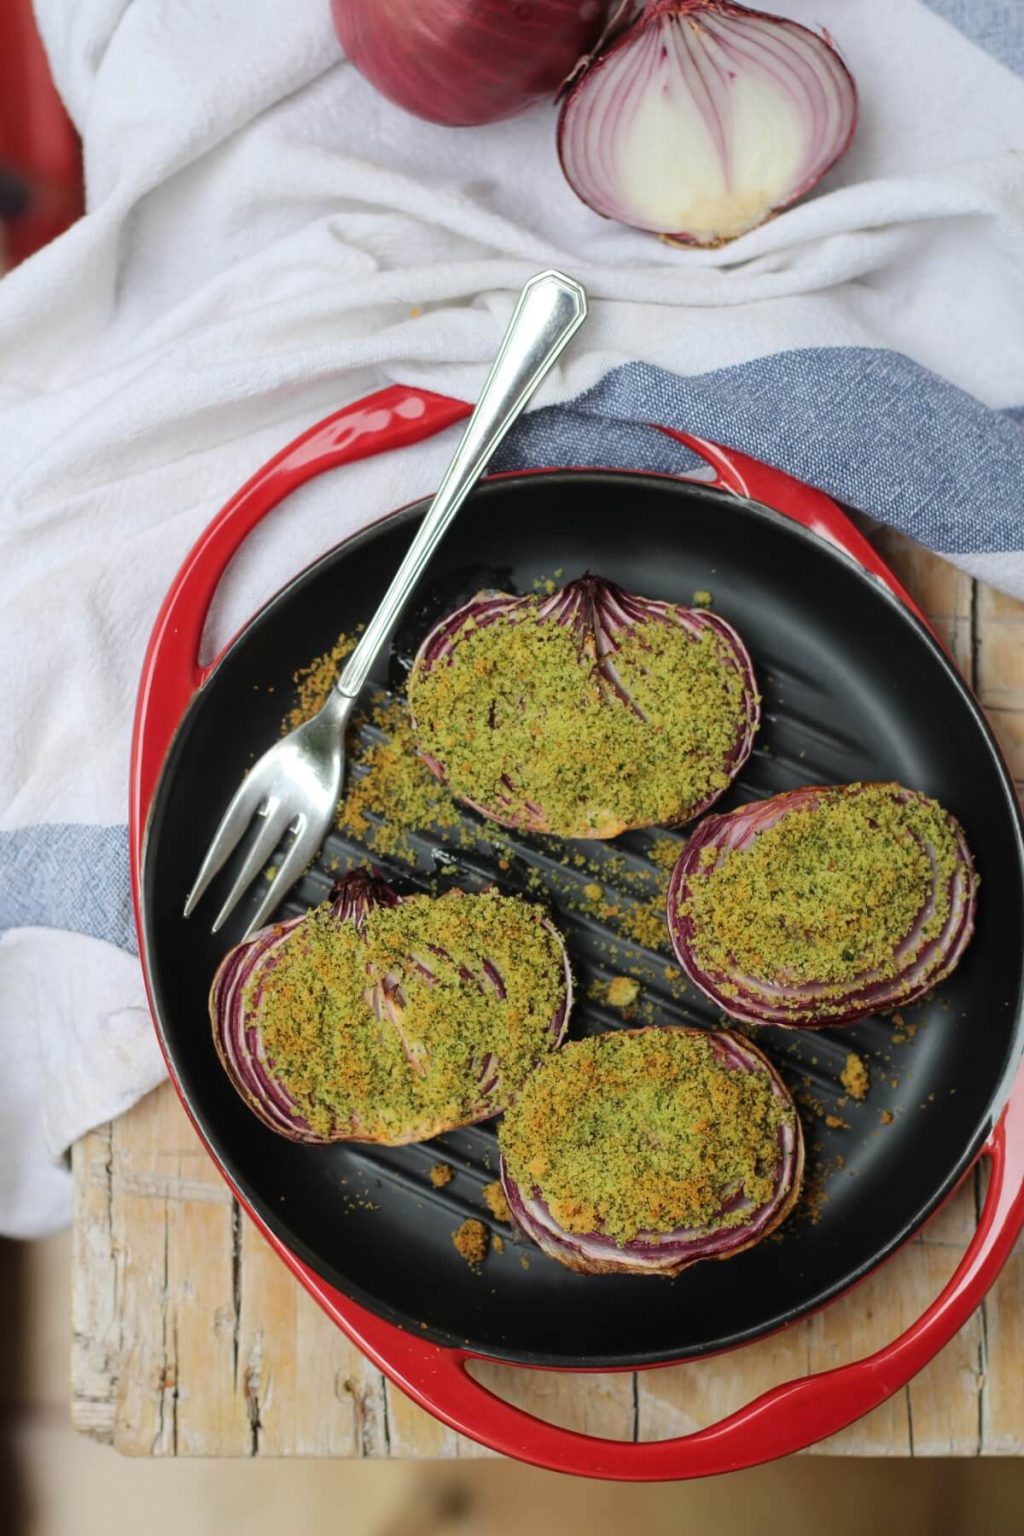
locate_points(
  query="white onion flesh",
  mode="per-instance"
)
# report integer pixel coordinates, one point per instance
(704, 118)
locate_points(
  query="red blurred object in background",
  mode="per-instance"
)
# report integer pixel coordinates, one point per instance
(38, 143)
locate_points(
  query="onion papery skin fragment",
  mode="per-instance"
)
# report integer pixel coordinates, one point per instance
(610, 633)
(703, 119)
(247, 970)
(669, 1253)
(918, 964)
(465, 62)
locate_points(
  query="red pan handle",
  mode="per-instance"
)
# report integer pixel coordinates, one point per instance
(734, 471)
(785, 1419)
(788, 1417)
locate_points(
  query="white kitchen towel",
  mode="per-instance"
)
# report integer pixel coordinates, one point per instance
(267, 239)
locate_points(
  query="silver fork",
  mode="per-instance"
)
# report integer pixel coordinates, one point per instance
(297, 783)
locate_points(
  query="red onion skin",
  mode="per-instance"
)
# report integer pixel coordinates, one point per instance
(489, 607)
(465, 62)
(621, 37)
(796, 1007)
(239, 1044)
(670, 1253)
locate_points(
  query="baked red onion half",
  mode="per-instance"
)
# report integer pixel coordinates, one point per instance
(645, 1151)
(823, 904)
(585, 712)
(388, 1019)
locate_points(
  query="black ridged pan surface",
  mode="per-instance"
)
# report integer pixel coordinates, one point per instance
(854, 688)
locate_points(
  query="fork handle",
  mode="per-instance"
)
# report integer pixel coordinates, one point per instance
(550, 311)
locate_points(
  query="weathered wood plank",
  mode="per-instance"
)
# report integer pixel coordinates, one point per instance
(306, 1390)
(413, 1432)
(194, 1339)
(171, 1224)
(1000, 665)
(601, 1404)
(95, 1310)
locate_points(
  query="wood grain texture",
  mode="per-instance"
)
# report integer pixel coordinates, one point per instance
(192, 1339)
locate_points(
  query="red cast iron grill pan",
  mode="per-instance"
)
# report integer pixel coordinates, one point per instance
(855, 686)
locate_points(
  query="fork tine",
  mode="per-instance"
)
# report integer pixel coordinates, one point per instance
(274, 822)
(244, 804)
(299, 854)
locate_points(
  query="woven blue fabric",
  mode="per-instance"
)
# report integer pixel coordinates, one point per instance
(68, 876)
(869, 426)
(995, 25)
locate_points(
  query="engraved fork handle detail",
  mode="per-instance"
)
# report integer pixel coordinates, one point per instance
(550, 310)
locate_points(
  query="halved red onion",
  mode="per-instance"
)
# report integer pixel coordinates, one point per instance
(916, 966)
(703, 118)
(668, 1253)
(244, 973)
(598, 613)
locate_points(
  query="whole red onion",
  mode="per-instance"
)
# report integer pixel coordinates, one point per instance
(703, 118)
(246, 974)
(668, 1253)
(918, 962)
(460, 62)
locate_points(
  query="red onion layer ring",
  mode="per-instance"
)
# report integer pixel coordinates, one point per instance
(598, 613)
(669, 1253)
(757, 1000)
(234, 1006)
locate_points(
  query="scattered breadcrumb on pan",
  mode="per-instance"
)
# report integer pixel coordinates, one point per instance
(854, 1077)
(494, 1199)
(472, 1240)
